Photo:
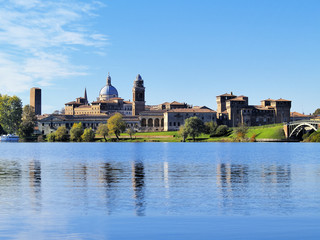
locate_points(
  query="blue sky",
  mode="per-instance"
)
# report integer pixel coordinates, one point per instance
(188, 51)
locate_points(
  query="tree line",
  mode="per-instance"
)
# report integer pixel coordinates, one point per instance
(115, 125)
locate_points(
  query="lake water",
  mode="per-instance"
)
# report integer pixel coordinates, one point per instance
(159, 191)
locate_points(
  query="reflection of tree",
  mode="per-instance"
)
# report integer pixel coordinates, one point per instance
(232, 180)
(9, 171)
(276, 185)
(109, 177)
(138, 185)
(35, 181)
(268, 183)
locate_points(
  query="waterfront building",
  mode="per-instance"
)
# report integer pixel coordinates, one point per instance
(234, 110)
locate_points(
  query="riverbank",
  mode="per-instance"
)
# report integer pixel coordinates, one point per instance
(267, 133)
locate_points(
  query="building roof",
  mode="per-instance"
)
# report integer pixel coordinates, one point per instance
(296, 114)
(237, 99)
(176, 103)
(73, 103)
(282, 100)
(192, 110)
(227, 95)
(201, 107)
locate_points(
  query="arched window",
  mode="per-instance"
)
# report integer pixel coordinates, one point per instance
(150, 122)
(143, 122)
(156, 122)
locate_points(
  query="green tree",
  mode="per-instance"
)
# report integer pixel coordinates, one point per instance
(116, 125)
(76, 132)
(103, 130)
(194, 127)
(210, 127)
(28, 123)
(316, 112)
(10, 113)
(241, 132)
(131, 132)
(61, 135)
(88, 135)
(182, 133)
(221, 130)
(51, 137)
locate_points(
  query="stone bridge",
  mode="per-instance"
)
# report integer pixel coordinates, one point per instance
(293, 129)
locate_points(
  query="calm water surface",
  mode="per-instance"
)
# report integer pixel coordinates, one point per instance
(159, 191)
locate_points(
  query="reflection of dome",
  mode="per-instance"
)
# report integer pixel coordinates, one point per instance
(108, 91)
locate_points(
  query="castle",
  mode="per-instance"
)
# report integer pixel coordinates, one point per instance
(232, 110)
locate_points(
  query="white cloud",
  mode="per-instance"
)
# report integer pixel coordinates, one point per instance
(37, 39)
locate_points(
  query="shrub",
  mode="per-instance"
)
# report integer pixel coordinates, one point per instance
(51, 137)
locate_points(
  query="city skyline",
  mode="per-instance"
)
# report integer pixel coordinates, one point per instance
(184, 51)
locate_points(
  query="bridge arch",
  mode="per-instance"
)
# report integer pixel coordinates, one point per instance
(297, 129)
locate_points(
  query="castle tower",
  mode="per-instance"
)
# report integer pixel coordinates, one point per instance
(138, 92)
(35, 100)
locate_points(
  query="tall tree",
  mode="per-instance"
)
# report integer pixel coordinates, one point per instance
(193, 126)
(103, 130)
(76, 132)
(116, 125)
(182, 133)
(28, 123)
(10, 113)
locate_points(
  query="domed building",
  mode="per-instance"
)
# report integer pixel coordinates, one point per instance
(108, 91)
(107, 103)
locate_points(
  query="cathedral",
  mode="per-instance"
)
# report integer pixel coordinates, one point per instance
(109, 101)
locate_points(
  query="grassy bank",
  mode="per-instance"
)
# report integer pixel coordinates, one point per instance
(268, 132)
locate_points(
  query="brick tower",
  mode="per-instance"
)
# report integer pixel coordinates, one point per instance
(35, 100)
(138, 92)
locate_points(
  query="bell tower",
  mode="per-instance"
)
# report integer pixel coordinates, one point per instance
(138, 92)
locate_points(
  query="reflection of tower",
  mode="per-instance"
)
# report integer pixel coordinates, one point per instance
(35, 100)
(35, 181)
(138, 92)
(138, 187)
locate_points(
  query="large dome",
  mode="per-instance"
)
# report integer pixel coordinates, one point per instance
(108, 91)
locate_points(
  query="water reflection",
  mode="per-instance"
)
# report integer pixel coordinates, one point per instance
(109, 174)
(138, 184)
(238, 185)
(35, 183)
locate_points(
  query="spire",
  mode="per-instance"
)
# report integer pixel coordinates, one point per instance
(108, 80)
(85, 95)
(138, 78)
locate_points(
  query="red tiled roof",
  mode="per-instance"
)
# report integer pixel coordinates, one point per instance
(187, 110)
(296, 114)
(176, 103)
